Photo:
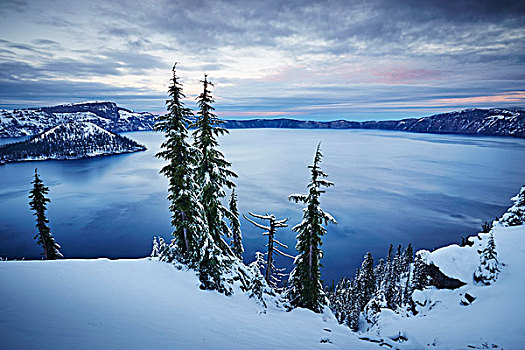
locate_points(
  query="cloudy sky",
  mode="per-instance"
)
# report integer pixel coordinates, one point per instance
(322, 60)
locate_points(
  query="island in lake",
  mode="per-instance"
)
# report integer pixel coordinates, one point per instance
(72, 140)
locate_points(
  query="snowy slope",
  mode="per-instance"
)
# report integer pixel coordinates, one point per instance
(145, 304)
(447, 320)
(33, 121)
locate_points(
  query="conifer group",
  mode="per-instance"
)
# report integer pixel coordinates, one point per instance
(187, 212)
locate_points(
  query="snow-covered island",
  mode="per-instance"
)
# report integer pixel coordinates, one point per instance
(72, 140)
(146, 303)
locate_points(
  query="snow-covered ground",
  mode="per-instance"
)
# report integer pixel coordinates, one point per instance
(143, 304)
(495, 319)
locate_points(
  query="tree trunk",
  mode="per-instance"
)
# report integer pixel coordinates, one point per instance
(310, 253)
(269, 261)
(186, 243)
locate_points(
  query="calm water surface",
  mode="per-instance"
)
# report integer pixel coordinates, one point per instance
(390, 187)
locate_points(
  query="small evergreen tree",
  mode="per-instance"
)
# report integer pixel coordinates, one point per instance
(408, 258)
(354, 312)
(408, 290)
(259, 263)
(236, 242)
(38, 203)
(305, 287)
(488, 269)
(212, 171)
(420, 275)
(379, 272)
(187, 218)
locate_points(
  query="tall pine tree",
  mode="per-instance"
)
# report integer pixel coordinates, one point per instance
(38, 203)
(212, 173)
(305, 286)
(235, 224)
(187, 212)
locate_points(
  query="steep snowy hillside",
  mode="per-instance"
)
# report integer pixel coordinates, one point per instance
(69, 141)
(475, 316)
(145, 304)
(33, 121)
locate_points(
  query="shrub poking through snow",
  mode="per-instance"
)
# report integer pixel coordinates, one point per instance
(488, 269)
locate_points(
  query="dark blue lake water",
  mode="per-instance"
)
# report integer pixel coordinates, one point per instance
(390, 187)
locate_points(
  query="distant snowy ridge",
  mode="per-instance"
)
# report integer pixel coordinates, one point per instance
(33, 121)
(495, 122)
(72, 140)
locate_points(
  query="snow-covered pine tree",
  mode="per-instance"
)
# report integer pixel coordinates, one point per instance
(488, 269)
(161, 250)
(387, 271)
(259, 263)
(367, 278)
(187, 212)
(334, 296)
(273, 274)
(394, 290)
(354, 312)
(38, 203)
(516, 214)
(235, 224)
(258, 286)
(305, 287)
(408, 289)
(212, 171)
(408, 257)
(390, 255)
(420, 275)
(379, 272)
(354, 303)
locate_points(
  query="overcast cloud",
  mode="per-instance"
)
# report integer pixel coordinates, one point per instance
(319, 60)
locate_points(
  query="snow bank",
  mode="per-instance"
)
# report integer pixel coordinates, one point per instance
(145, 304)
(473, 316)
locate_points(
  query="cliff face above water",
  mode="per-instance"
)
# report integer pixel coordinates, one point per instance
(107, 115)
(495, 122)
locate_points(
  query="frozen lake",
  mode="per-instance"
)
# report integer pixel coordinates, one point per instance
(390, 187)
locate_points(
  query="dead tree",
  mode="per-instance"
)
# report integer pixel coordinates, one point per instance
(272, 273)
